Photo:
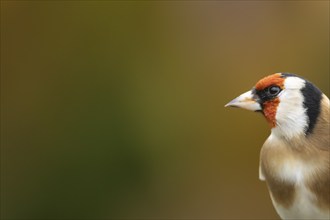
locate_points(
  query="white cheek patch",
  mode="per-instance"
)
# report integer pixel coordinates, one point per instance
(291, 117)
(294, 83)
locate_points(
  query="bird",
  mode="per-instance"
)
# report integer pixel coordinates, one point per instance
(295, 158)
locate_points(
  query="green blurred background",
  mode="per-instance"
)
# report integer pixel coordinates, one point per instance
(114, 109)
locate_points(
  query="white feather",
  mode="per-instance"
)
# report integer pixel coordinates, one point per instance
(295, 170)
(303, 206)
(291, 118)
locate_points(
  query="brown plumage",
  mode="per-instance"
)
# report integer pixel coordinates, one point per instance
(295, 159)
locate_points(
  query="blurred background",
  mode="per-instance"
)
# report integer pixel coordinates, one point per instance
(115, 110)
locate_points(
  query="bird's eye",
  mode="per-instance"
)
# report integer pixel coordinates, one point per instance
(274, 90)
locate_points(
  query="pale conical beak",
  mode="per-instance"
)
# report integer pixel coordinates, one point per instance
(246, 101)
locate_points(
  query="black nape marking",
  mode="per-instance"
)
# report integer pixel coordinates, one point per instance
(284, 75)
(312, 103)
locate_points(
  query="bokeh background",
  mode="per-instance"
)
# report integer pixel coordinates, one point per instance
(115, 110)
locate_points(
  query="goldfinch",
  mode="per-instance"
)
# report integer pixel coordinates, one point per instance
(295, 159)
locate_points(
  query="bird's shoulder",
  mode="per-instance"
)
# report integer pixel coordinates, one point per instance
(296, 176)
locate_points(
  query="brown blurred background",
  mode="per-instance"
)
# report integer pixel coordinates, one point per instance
(114, 109)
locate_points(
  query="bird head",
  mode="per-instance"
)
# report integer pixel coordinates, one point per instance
(289, 103)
